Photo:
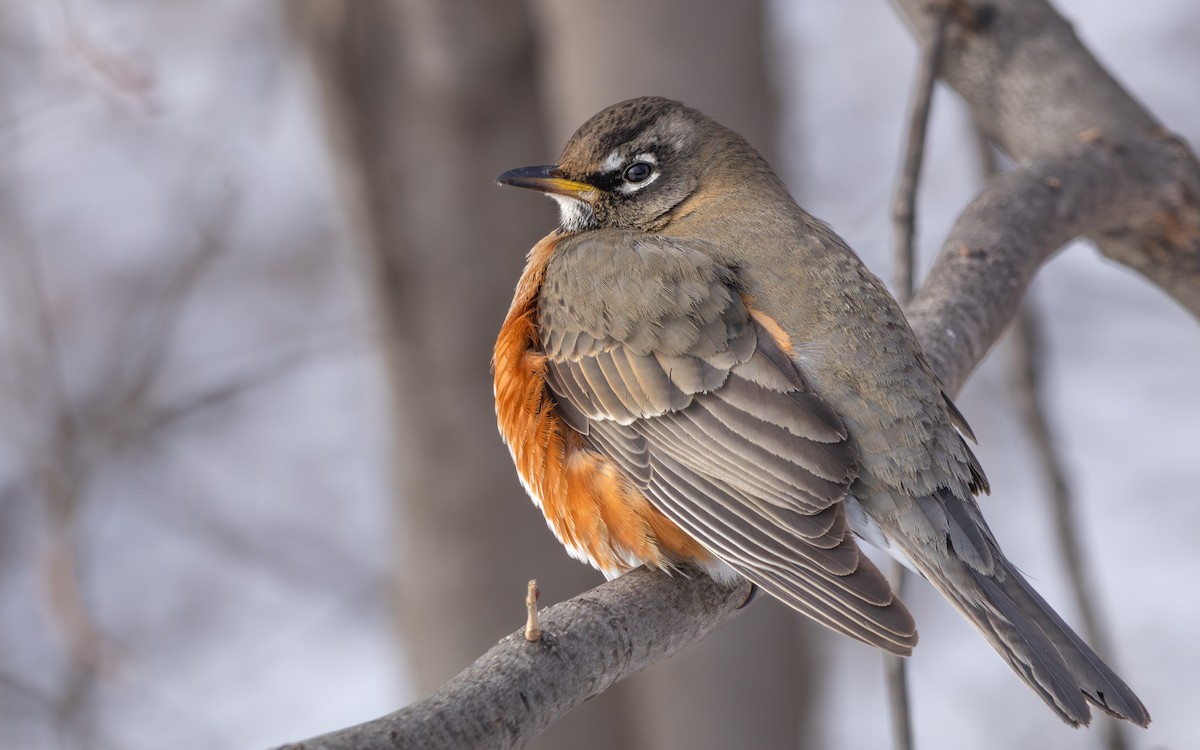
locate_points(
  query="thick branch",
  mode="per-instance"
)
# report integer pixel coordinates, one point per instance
(1031, 84)
(1036, 91)
(975, 287)
(518, 688)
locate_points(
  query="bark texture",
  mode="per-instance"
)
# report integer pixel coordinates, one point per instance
(518, 688)
(1039, 94)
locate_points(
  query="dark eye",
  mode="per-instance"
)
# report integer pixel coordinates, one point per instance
(639, 171)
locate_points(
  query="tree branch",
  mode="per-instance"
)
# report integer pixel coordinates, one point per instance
(975, 286)
(1037, 92)
(520, 687)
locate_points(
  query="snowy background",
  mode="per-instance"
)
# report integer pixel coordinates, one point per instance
(164, 180)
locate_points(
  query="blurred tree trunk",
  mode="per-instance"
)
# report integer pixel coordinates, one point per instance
(746, 685)
(707, 53)
(426, 101)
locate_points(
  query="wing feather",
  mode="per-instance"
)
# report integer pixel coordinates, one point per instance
(671, 437)
(592, 377)
(858, 603)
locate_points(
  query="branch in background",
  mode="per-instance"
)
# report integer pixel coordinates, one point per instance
(64, 458)
(74, 434)
(132, 376)
(56, 473)
(1027, 359)
(904, 203)
(122, 80)
(904, 219)
(269, 370)
(56, 469)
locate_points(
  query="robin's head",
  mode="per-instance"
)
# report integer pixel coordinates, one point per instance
(633, 163)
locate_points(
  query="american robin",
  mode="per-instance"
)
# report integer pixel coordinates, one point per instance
(696, 371)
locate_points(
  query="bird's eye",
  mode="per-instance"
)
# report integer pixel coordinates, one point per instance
(639, 171)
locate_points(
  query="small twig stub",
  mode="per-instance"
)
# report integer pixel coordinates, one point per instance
(532, 631)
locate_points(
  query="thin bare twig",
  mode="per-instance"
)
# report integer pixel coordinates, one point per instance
(268, 371)
(904, 220)
(1028, 371)
(145, 347)
(904, 203)
(122, 79)
(57, 475)
(59, 472)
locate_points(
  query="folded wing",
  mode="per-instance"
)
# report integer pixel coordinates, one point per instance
(693, 395)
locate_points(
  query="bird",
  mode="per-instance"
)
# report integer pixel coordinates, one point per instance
(696, 373)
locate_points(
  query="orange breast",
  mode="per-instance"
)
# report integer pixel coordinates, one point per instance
(592, 508)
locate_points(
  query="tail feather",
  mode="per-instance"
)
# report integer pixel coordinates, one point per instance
(1033, 639)
(1100, 685)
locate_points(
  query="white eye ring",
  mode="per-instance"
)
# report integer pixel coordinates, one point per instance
(631, 185)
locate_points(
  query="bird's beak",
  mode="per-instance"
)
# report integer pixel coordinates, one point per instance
(548, 179)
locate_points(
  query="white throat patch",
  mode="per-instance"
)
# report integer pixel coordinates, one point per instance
(573, 214)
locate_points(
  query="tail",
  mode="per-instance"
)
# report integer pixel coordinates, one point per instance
(1031, 637)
